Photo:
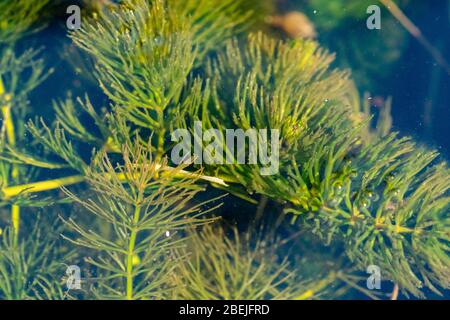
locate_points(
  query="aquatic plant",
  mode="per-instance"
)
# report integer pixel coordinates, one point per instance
(386, 45)
(140, 215)
(233, 268)
(19, 74)
(19, 18)
(164, 65)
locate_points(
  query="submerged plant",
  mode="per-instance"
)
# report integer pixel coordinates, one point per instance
(141, 209)
(333, 19)
(19, 74)
(236, 267)
(167, 65)
(32, 269)
(19, 18)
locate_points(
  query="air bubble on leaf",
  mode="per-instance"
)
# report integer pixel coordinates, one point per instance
(365, 203)
(158, 41)
(373, 196)
(347, 161)
(338, 188)
(395, 192)
(390, 177)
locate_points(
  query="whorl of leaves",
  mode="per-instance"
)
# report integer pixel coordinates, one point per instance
(381, 196)
(142, 208)
(18, 18)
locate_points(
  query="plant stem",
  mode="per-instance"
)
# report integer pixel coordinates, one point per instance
(6, 112)
(15, 217)
(261, 207)
(47, 185)
(130, 253)
(9, 126)
(319, 286)
(35, 187)
(415, 32)
(161, 134)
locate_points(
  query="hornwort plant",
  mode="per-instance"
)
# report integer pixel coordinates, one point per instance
(143, 227)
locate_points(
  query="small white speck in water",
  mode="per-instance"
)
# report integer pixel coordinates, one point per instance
(167, 234)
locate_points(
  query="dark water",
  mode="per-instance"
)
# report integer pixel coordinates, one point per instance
(417, 80)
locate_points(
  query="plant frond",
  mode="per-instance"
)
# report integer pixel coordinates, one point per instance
(145, 207)
(234, 266)
(30, 270)
(57, 141)
(19, 18)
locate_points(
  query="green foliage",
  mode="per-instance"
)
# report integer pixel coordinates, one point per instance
(144, 208)
(18, 18)
(334, 19)
(155, 52)
(145, 54)
(162, 65)
(370, 195)
(30, 270)
(302, 100)
(57, 141)
(225, 263)
(20, 75)
(233, 268)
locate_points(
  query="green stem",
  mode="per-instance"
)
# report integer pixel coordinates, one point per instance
(10, 133)
(161, 134)
(41, 186)
(130, 254)
(415, 32)
(15, 217)
(47, 185)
